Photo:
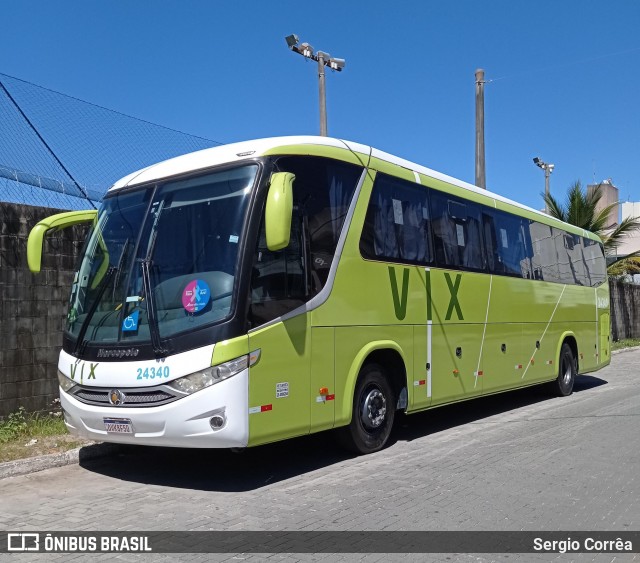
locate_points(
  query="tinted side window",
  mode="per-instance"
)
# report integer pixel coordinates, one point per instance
(457, 232)
(322, 192)
(285, 279)
(279, 278)
(595, 265)
(510, 245)
(565, 270)
(575, 249)
(397, 222)
(544, 258)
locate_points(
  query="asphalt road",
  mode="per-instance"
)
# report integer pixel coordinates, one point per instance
(516, 461)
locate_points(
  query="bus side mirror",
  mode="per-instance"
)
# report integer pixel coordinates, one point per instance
(278, 210)
(51, 224)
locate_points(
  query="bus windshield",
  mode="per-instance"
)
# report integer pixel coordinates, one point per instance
(161, 261)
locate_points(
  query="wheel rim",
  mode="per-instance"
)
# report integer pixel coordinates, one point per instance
(374, 409)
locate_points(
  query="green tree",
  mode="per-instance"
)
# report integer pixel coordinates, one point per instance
(580, 209)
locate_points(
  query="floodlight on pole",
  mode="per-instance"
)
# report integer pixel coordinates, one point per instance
(323, 59)
(548, 169)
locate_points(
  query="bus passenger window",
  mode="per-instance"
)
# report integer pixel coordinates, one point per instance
(397, 223)
(457, 233)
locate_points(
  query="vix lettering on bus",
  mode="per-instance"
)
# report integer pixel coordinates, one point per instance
(400, 298)
(73, 369)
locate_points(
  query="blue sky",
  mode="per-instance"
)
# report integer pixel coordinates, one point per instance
(565, 76)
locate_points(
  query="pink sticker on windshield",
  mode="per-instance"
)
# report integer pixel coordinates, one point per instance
(195, 296)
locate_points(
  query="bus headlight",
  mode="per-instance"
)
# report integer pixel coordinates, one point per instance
(65, 382)
(209, 376)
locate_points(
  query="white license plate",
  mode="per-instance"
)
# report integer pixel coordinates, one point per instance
(118, 425)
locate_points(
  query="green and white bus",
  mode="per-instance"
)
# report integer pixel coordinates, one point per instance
(262, 290)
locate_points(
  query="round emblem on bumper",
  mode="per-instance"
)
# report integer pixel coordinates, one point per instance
(116, 397)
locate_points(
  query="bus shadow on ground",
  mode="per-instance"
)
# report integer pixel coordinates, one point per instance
(443, 418)
(254, 468)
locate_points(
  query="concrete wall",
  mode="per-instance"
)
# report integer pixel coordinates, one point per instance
(32, 308)
(625, 310)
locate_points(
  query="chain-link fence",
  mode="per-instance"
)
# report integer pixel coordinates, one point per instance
(58, 151)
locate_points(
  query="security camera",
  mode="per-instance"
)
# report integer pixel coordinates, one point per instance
(536, 160)
(337, 64)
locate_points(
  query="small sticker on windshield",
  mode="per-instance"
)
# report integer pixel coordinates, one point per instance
(233, 238)
(130, 323)
(195, 296)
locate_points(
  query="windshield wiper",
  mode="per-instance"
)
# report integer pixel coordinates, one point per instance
(81, 342)
(145, 264)
(152, 317)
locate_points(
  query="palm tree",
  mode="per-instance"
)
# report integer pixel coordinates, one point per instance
(580, 210)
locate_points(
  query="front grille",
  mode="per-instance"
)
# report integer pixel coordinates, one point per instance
(139, 397)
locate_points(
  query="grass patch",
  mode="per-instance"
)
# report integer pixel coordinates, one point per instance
(625, 343)
(25, 435)
(19, 426)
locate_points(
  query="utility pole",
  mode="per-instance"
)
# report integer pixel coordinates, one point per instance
(322, 94)
(323, 59)
(480, 173)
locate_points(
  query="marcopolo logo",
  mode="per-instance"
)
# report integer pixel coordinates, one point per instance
(118, 353)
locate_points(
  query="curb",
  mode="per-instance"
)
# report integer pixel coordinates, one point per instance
(623, 350)
(40, 463)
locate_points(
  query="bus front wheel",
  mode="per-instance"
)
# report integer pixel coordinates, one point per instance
(563, 385)
(373, 412)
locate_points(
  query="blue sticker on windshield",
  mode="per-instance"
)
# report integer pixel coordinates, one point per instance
(195, 296)
(131, 322)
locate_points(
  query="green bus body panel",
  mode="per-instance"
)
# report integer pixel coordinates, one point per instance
(230, 350)
(488, 333)
(279, 384)
(353, 345)
(322, 392)
(55, 222)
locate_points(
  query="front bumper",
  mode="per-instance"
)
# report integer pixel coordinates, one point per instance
(183, 423)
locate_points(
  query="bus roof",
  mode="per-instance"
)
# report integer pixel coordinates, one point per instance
(237, 152)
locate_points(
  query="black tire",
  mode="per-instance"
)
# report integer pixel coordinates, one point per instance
(373, 412)
(563, 385)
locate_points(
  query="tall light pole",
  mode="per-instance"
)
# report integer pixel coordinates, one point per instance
(548, 169)
(323, 59)
(480, 173)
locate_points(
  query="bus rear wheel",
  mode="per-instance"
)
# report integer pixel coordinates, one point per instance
(373, 412)
(563, 385)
